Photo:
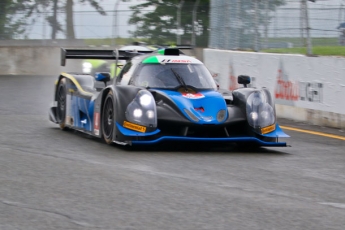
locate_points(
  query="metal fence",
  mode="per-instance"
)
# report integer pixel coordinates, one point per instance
(108, 28)
(87, 23)
(260, 24)
(233, 24)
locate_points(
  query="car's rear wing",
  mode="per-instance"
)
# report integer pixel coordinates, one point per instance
(97, 54)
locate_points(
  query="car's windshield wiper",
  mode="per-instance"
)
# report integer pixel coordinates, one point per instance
(180, 79)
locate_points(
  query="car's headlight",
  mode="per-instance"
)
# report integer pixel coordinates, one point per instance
(260, 110)
(145, 100)
(221, 115)
(142, 110)
(87, 67)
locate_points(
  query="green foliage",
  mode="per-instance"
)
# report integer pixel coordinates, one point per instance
(26, 14)
(317, 50)
(156, 21)
(249, 16)
(9, 27)
(69, 15)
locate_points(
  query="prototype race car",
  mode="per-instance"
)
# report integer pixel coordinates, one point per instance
(162, 96)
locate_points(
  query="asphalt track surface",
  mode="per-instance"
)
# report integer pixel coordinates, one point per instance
(51, 179)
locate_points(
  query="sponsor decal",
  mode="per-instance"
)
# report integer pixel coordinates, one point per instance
(296, 90)
(268, 129)
(175, 61)
(192, 95)
(311, 91)
(165, 60)
(134, 127)
(286, 89)
(96, 123)
(181, 61)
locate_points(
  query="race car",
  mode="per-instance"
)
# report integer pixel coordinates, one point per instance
(162, 96)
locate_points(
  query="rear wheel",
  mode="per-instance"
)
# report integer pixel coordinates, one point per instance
(108, 118)
(61, 104)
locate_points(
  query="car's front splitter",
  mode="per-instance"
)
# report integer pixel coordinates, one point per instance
(219, 139)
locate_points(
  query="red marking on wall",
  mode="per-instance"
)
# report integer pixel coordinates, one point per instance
(232, 79)
(286, 89)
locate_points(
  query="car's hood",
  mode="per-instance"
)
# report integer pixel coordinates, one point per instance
(203, 105)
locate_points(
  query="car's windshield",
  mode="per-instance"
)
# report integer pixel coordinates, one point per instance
(169, 76)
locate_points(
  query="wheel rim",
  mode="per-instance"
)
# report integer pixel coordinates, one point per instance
(107, 121)
(61, 104)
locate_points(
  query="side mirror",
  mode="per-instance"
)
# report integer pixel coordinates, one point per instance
(243, 80)
(104, 77)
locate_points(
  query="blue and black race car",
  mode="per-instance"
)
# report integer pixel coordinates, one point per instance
(160, 96)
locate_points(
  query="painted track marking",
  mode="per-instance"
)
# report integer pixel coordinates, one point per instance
(313, 132)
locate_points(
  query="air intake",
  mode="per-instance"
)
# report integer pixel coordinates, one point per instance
(172, 52)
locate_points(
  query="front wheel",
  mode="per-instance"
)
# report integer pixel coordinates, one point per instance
(61, 104)
(108, 118)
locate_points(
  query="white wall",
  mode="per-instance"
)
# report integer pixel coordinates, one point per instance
(314, 84)
(34, 61)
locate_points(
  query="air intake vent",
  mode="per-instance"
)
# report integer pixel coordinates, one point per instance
(172, 52)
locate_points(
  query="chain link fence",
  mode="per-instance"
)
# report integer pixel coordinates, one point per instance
(263, 24)
(109, 29)
(88, 24)
(233, 24)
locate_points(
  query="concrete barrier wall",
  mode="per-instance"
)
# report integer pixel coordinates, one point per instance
(310, 89)
(34, 61)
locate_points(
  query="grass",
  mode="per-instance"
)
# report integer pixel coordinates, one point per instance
(321, 46)
(317, 50)
(298, 42)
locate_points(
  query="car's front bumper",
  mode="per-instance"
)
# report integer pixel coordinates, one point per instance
(202, 139)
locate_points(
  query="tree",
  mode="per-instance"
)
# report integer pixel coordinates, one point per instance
(9, 27)
(235, 23)
(247, 9)
(29, 10)
(252, 15)
(159, 25)
(69, 15)
(4, 18)
(53, 22)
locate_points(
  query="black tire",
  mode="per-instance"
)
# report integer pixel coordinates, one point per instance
(61, 94)
(108, 118)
